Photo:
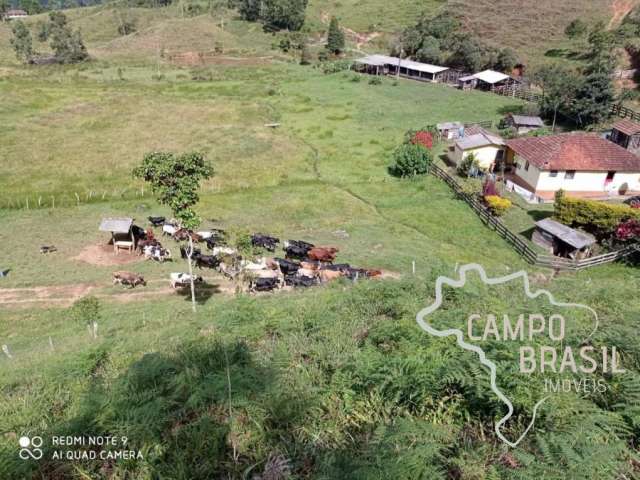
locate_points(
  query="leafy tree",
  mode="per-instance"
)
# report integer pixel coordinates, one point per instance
(21, 41)
(410, 160)
(67, 45)
(126, 23)
(85, 311)
(250, 10)
(576, 29)
(4, 6)
(507, 60)
(31, 6)
(175, 179)
(283, 14)
(335, 37)
(429, 51)
(558, 84)
(305, 55)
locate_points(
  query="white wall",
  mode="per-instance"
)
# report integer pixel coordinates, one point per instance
(485, 155)
(581, 182)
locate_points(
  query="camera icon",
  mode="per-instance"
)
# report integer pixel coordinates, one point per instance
(30, 448)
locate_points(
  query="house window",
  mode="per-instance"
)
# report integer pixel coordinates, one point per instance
(610, 176)
(526, 166)
(553, 173)
(570, 174)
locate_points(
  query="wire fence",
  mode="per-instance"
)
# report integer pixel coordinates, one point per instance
(60, 200)
(520, 245)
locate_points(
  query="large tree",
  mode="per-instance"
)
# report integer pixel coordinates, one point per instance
(559, 85)
(283, 14)
(21, 41)
(335, 37)
(175, 179)
(67, 44)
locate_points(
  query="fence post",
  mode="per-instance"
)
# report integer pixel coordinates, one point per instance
(77, 198)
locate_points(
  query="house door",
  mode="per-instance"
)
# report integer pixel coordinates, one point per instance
(609, 178)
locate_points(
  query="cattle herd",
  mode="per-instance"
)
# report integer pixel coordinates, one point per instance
(302, 265)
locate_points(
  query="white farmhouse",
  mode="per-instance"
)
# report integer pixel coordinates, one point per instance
(485, 146)
(581, 164)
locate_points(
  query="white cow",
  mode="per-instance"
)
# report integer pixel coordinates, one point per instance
(168, 229)
(183, 279)
(224, 251)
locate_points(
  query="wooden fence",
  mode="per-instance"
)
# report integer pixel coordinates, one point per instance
(534, 97)
(516, 240)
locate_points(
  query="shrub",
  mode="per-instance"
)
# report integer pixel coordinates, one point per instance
(628, 230)
(497, 205)
(468, 165)
(598, 218)
(85, 311)
(335, 67)
(375, 81)
(410, 160)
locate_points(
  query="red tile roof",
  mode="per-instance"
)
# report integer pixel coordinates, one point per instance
(575, 151)
(627, 127)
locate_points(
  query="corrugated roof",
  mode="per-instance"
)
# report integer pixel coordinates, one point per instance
(449, 125)
(476, 136)
(575, 151)
(527, 120)
(575, 238)
(627, 127)
(491, 76)
(116, 225)
(381, 60)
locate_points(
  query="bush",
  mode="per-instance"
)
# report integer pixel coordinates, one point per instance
(468, 165)
(85, 311)
(497, 205)
(423, 138)
(375, 81)
(335, 67)
(410, 160)
(598, 218)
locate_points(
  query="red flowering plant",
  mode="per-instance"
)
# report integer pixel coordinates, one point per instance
(423, 138)
(629, 230)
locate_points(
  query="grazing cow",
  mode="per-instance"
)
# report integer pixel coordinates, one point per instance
(300, 281)
(48, 249)
(264, 284)
(129, 279)
(149, 242)
(4, 273)
(157, 253)
(305, 272)
(218, 251)
(322, 254)
(156, 221)
(329, 275)
(262, 264)
(296, 249)
(206, 261)
(183, 279)
(184, 251)
(264, 241)
(356, 273)
(168, 229)
(138, 232)
(228, 268)
(338, 267)
(287, 267)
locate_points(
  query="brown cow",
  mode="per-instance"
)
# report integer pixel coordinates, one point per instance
(329, 275)
(322, 254)
(129, 279)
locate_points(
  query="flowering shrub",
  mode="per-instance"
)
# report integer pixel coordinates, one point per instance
(628, 230)
(423, 138)
(489, 189)
(497, 205)
(410, 160)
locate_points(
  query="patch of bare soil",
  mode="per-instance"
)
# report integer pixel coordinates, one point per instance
(61, 295)
(104, 256)
(193, 59)
(621, 8)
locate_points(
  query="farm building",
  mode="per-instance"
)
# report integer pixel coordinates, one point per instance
(486, 80)
(14, 13)
(627, 134)
(121, 230)
(485, 146)
(560, 240)
(386, 65)
(450, 130)
(581, 164)
(523, 123)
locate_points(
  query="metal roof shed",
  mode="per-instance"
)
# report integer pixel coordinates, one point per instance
(562, 240)
(121, 233)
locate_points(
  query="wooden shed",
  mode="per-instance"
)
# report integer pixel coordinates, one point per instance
(562, 241)
(524, 123)
(626, 133)
(121, 230)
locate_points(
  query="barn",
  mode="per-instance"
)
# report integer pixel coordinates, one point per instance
(486, 80)
(386, 65)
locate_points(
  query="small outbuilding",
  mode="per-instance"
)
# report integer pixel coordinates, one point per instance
(626, 133)
(486, 80)
(562, 241)
(523, 123)
(450, 130)
(487, 148)
(121, 230)
(15, 13)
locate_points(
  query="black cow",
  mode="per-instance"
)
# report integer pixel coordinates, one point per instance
(297, 249)
(183, 252)
(207, 261)
(264, 284)
(4, 273)
(48, 249)
(300, 281)
(156, 221)
(337, 267)
(138, 232)
(287, 267)
(264, 241)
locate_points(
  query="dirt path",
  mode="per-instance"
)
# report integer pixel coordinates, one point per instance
(621, 8)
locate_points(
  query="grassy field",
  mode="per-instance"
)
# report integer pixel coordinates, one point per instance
(336, 381)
